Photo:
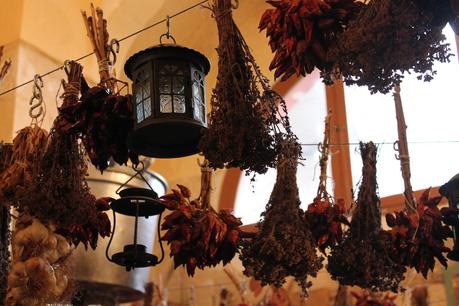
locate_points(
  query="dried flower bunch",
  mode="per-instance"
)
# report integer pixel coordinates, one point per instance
(59, 194)
(366, 298)
(244, 121)
(387, 39)
(301, 32)
(363, 258)
(199, 237)
(42, 263)
(103, 118)
(325, 216)
(284, 245)
(419, 236)
(6, 152)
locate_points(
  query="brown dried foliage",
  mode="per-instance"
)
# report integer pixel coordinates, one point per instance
(284, 245)
(363, 258)
(419, 236)
(301, 32)
(198, 236)
(59, 193)
(243, 120)
(387, 39)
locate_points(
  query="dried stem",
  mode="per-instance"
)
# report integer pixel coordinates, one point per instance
(206, 185)
(6, 66)
(403, 156)
(324, 149)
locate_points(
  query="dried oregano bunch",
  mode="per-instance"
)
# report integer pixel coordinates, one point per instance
(363, 258)
(244, 120)
(300, 32)
(387, 39)
(59, 193)
(284, 245)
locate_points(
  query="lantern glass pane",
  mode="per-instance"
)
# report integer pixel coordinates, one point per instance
(179, 104)
(165, 104)
(147, 107)
(165, 84)
(140, 112)
(146, 89)
(178, 85)
(168, 69)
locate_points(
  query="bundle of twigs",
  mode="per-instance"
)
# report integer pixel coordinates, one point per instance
(59, 193)
(363, 258)
(284, 245)
(387, 39)
(244, 124)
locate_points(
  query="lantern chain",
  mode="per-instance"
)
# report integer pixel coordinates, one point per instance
(118, 41)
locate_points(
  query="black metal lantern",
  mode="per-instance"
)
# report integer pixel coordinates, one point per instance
(136, 202)
(169, 100)
(451, 191)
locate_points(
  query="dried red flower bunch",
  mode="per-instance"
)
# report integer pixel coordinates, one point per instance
(284, 245)
(243, 120)
(363, 258)
(59, 193)
(198, 236)
(366, 298)
(301, 32)
(387, 39)
(419, 236)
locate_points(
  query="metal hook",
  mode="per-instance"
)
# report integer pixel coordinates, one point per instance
(114, 49)
(168, 34)
(37, 95)
(66, 67)
(396, 147)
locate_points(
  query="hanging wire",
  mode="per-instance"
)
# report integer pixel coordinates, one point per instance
(119, 41)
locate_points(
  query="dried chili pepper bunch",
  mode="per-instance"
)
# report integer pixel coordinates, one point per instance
(59, 193)
(419, 236)
(103, 118)
(325, 216)
(243, 123)
(284, 245)
(387, 39)
(6, 152)
(301, 32)
(363, 257)
(199, 237)
(366, 298)
(28, 147)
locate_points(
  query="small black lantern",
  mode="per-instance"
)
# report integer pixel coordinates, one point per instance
(136, 202)
(451, 191)
(169, 100)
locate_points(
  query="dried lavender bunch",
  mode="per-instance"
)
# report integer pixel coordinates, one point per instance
(284, 245)
(387, 39)
(363, 259)
(60, 194)
(243, 121)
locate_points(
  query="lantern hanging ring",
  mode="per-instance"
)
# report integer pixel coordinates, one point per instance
(36, 102)
(168, 34)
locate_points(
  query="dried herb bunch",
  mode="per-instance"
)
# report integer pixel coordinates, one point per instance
(59, 193)
(387, 39)
(6, 152)
(419, 236)
(28, 147)
(284, 245)
(301, 32)
(244, 120)
(363, 258)
(366, 298)
(325, 216)
(198, 235)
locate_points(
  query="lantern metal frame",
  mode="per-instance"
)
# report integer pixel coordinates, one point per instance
(174, 131)
(136, 202)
